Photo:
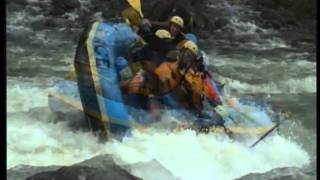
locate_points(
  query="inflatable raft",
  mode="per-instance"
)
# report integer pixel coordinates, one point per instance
(99, 64)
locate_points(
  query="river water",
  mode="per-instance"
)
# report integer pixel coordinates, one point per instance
(260, 68)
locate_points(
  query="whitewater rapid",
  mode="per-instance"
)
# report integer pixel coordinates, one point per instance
(34, 139)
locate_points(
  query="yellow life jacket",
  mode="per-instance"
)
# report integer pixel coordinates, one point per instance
(195, 81)
(167, 73)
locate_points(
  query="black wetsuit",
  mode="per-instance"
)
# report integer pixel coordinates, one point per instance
(180, 37)
(155, 49)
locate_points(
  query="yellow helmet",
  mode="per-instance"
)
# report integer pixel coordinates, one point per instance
(162, 33)
(136, 4)
(177, 20)
(192, 47)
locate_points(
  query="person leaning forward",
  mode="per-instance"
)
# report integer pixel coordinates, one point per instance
(179, 78)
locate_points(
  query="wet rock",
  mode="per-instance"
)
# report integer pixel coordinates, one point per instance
(21, 172)
(97, 168)
(84, 172)
(288, 173)
(150, 170)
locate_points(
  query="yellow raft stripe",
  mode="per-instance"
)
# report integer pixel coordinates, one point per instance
(77, 105)
(73, 103)
(236, 130)
(96, 81)
(245, 130)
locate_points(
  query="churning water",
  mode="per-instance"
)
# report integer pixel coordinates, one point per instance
(34, 138)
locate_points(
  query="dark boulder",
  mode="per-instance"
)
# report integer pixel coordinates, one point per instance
(85, 172)
(98, 168)
(287, 173)
(21, 172)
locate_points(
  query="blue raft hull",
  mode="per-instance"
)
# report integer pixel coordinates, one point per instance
(105, 46)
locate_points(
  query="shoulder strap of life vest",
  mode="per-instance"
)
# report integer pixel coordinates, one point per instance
(180, 81)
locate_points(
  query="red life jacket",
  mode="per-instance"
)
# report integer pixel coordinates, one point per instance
(210, 91)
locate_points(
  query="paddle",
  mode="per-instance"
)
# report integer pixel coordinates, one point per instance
(221, 110)
(265, 135)
(273, 128)
(231, 103)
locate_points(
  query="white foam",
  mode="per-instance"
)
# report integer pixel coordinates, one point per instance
(25, 93)
(21, 98)
(268, 44)
(33, 140)
(189, 156)
(242, 27)
(71, 16)
(22, 17)
(297, 74)
(276, 43)
(37, 142)
(185, 154)
(292, 86)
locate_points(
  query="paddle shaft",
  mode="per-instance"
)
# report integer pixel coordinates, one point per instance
(265, 135)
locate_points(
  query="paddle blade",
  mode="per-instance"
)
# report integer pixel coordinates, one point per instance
(136, 4)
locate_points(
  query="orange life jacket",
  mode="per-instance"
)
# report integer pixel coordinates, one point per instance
(167, 74)
(169, 79)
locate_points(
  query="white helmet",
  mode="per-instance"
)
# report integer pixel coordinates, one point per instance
(162, 33)
(192, 47)
(177, 20)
